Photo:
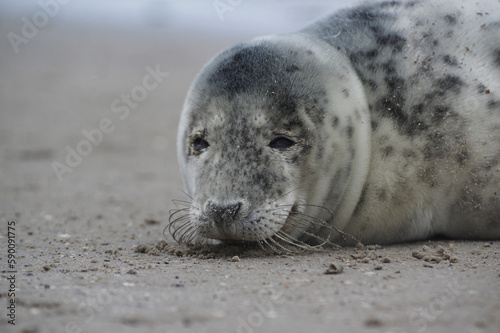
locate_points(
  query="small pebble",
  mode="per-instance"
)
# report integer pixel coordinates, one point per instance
(334, 269)
(373, 322)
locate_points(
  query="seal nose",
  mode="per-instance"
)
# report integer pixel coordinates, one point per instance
(224, 214)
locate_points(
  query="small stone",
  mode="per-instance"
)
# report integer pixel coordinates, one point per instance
(151, 222)
(234, 259)
(373, 322)
(434, 259)
(334, 269)
(385, 260)
(418, 255)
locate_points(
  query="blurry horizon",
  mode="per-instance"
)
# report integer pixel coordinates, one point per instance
(221, 16)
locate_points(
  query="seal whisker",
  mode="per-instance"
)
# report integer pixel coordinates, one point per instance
(292, 241)
(298, 243)
(281, 246)
(266, 242)
(284, 195)
(174, 212)
(182, 203)
(322, 223)
(174, 227)
(180, 232)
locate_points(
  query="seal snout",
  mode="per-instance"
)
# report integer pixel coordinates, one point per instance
(223, 216)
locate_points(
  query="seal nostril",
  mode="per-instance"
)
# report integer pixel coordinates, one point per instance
(223, 214)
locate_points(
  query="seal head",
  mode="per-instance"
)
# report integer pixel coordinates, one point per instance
(270, 130)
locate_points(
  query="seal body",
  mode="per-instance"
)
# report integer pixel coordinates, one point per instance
(381, 122)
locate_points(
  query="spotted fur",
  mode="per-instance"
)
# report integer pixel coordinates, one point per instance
(391, 117)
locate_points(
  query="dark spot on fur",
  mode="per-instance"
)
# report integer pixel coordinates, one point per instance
(382, 194)
(375, 29)
(345, 91)
(436, 147)
(286, 104)
(374, 124)
(440, 112)
(410, 4)
(390, 4)
(493, 104)
(481, 89)
(450, 83)
(426, 175)
(390, 106)
(395, 83)
(350, 131)
(449, 60)
(372, 85)
(491, 163)
(463, 156)
(354, 57)
(409, 154)
(496, 57)
(292, 69)
(372, 53)
(389, 68)
(470, 199)
(388, 151)
(396, 41)
(363, 14)
(362, 199)
(451, 19)
(335, 122)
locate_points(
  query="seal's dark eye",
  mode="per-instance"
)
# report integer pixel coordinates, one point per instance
(200, 143)
(281, 143)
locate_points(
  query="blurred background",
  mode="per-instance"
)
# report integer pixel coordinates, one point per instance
(80, 135)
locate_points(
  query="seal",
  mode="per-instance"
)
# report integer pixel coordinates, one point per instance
(378, 124)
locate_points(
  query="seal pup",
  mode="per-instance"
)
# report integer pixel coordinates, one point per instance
(378, 124)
